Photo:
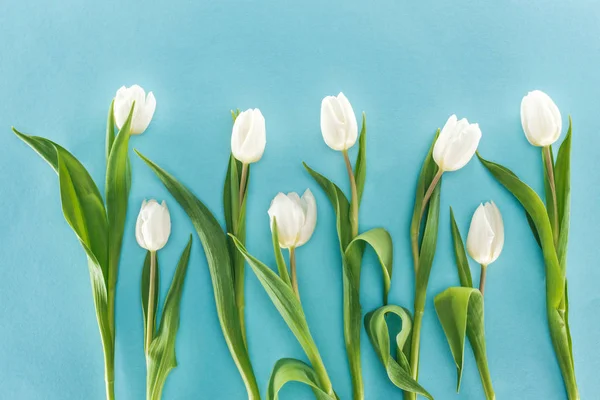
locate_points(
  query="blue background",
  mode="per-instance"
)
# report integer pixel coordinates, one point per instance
(408, 66)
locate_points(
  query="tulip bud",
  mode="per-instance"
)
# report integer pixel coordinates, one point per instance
(153, 225)
(142, 113)
(338, 122)
(248, 138)
(486, 234)
(456, 144)
(296, 218)
(540, 119)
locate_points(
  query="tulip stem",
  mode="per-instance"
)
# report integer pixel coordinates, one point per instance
(354, 202)
(151, 302)
(550, 171)
(482, 278)
(243, 181)
(293, 272)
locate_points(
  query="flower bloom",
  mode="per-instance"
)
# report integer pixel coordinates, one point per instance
(153, 225)
(338, 122)
(456, 144)
(249, 138)
(540, 118)
(296, 218)
(486, 234)
(142, 113)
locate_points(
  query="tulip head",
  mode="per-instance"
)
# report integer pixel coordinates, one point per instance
(296, 218)
(338, 122)
(456, 144)
(143, 111)
(153, 225)
(249, 137)
(486, 234)
(540, 118)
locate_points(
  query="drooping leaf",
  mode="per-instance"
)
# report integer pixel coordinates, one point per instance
(161, 357)
(462, 263)
(381, 241)
(288, 305)
(351, 262)
(145, 289)
(360, 167)
(398, 370)
(292, 370)
(556, 300)
(460, 311)
(219, 264)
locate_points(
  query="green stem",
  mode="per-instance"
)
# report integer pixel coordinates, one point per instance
(240, 267)
(151, 303)
(482, 278)
(293, 271)
(354, 202)
(243, 181)
(109, 369)
(550, 171)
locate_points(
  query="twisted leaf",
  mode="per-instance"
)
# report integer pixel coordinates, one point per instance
(292, 370)
(161, 357)
(398, 370)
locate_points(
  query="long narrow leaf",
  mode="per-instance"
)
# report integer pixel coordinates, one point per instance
(145, 289)
(219, 264)
(360, 168)
(462, 263)
(281, 266)
(161, 357)
(398, 370)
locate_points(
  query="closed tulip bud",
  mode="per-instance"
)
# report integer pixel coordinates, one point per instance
(486, 234)
(249, 137)
(456, 144)
(143, 111)
(153, 225)
(338, 122)
(540, 119)
(296, 218)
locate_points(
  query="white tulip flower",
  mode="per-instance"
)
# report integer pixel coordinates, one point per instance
(296, 218)
(456, 144)
(142, 113)
(153, 226)
(338, 122)
(540, 118)
(249, 138)
(486, 234)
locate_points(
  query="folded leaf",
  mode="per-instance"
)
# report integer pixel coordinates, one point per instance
(397, 370)
(219, 264)
(460, 310)
(292, 370)
(161, 357)
(462, 263)
(288, 305)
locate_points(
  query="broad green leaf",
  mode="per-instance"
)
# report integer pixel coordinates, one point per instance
(118, 183)
(281, 266)
(360, 168)
(460, 310)
(556, 302)
(292, 370)
(145, 286)
(398, 370)
(351, 261)
(219, 264)
(462, 263)
(288, 305)
(428, 244)
(381, 241)
(161, 357)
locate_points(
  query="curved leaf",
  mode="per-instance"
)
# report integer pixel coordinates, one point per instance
(397, 370)
(290, 308)
(292, 370)
(161, 357)
(462, 263)
(360, 168)
(460, 310)
(219, 264)
(381, 241)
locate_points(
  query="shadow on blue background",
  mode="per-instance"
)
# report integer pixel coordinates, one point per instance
(407, 66)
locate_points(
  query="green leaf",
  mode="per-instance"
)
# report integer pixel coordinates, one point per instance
(161, 357)
(360, 169)
(118, 183)
(281, 266)
(292, 370)
(351, 261)
(110, 129)
(145, 286)
(562, 176)
(556, 301)
(462, 263)
(460, 310)
(219, 264)
(428, 244)
(398, 371)
(550, 206)
(288, 305)
(381, 241)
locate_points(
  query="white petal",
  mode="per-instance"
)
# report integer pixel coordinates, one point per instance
(248, 138)
(310, 220)
(332, 123)
(285, 211)
(480, 237)
(138, 228)
(350, 124)
(439, 148)
(495, 218)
